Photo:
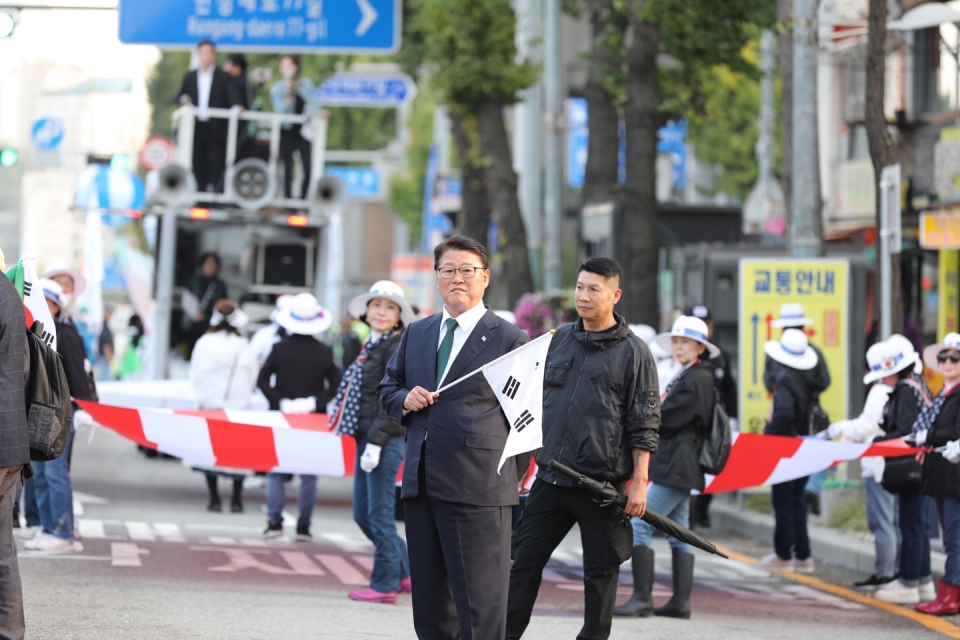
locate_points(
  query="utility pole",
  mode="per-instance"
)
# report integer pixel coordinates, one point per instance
(806, 199)
(527, 134)
(553, 86)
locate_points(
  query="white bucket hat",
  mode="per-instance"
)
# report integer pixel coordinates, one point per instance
(60, 269)
(792, 350)
(888, 358)
(791, 315)
(687, 327)
(908, 348)
(386, 290)
(950, 341)
(305, 316)
(51, 290)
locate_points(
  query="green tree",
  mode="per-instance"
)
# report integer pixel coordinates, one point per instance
(406, 191)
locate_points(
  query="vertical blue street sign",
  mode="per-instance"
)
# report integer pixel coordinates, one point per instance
(314, 26)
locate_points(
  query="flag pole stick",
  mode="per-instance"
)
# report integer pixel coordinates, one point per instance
(493, 362)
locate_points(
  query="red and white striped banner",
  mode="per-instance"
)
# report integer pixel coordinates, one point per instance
(303, 443)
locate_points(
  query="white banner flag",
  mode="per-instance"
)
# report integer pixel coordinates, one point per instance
(517, 379)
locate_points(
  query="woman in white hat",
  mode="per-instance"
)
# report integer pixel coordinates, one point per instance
(379, 437)
(70, 280)
(793, 394)
(299, 376)
(792, 316)
(223, 371)
(686, 412)
(265, 337)
(895, 397)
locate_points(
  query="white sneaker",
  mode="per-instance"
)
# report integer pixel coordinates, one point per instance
(927, 591)
(803, 566)
(775, 563)
(53, 544)
(898, 593)
(29, 533)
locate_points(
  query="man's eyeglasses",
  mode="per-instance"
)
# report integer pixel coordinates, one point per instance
(943, 356)
(465, 272)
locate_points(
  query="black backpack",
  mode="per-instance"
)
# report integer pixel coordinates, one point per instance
(715, 450)
(48, 398)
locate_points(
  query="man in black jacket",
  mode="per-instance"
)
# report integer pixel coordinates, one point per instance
(306, 380)
(601, 416)
(208, 87)
(14, 451)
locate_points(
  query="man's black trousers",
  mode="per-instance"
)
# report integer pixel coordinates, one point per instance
(209, 155)
(607, 540)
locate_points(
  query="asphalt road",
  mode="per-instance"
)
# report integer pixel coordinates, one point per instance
(157, 565)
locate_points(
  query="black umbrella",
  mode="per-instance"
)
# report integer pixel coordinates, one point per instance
(606, 494)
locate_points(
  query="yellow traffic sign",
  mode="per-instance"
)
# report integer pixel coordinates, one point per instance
(822, 287)
(940, 230)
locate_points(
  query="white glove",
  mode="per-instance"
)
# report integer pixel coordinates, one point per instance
(82, 419)
(370, 458)
(920, 437)
(835, 430)
(286, 405)
(299, 405)
(952, 451)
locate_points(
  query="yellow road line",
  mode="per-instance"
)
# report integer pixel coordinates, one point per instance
(931, 622)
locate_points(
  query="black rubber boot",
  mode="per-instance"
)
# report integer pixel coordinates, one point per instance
(640, 603)
(679, 604)
(236, 502)
(214, 493)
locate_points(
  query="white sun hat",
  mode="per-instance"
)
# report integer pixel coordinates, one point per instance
(791, 315)
(950, 341)
(305, 316)
(283, 302)
(61, 269)
(888, 358)
(687, 327)
(908, 348)
(386, 290)
(792, 350)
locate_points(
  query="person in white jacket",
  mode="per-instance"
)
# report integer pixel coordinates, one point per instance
(224, 371)
(885, 361)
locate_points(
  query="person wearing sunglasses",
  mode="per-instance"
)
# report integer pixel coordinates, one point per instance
(935, 427)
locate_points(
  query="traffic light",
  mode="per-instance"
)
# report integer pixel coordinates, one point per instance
(8, 157)
(8, 22)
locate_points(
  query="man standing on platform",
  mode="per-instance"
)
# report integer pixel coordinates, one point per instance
(457, 506)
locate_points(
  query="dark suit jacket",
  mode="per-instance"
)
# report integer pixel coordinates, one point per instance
(223, 95)
(467, 428)
(304, 368)
(14, 441)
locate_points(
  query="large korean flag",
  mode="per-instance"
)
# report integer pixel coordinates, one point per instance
(517, 379)
(24, 278)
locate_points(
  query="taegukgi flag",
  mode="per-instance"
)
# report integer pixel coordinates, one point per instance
(24, 278)
(517, 379)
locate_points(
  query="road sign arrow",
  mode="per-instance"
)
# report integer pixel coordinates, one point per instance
(370, 16)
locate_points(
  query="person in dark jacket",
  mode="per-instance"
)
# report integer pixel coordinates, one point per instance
(915, 582)
(601, 415)
(203, 292)
(379, 439)
(686, 413)
(306, 380)
(792, 395)
(727, 389)
(937, 425)
(51, 482)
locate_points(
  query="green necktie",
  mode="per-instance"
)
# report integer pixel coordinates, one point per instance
(443, 354)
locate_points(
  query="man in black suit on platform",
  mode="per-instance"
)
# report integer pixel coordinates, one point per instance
(14, 451)
(457, 506)
(208, 87)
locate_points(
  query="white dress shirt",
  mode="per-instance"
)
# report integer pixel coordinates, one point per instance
(204, 82)
(466, 322)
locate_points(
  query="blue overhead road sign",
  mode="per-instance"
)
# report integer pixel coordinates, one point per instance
(352, 90)
(316, 26)
(360, 182)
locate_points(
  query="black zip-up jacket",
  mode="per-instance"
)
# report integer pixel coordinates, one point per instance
(818, 377)
(72, 355)
(685, 416)
(374, 425)
(940, 477)
(792, 398)
(726, 385)
(900, 412)
(601, 399)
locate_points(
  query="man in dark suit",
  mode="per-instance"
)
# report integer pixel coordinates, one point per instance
(14, 451)
(457, 506)
(208, 87)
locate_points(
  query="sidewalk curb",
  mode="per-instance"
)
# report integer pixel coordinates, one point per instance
(827, 545)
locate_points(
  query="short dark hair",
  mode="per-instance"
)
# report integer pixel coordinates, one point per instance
(204, 43)
(238, 60)
(460, 243)
(209, 254)
(903, 374)
(606, 267)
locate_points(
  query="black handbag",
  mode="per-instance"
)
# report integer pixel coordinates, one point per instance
(901, 475)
